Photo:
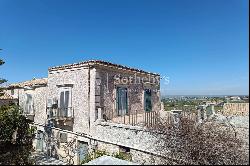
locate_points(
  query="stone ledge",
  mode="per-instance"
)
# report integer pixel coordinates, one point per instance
(118, 125)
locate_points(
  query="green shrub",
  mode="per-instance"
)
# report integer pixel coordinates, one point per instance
(94, 155)
(123, 156)
(99, 153)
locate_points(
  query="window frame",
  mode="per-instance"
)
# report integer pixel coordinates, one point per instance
(117, 101)
(69, 104)
(12, 92)
(144, 101)
(29, 105)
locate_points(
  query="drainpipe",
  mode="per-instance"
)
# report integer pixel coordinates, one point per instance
(89, 94)
(18, 96)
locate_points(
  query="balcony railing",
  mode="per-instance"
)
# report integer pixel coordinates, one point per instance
(151, 118)
(29, 112)
(60, 113)
(134, 117)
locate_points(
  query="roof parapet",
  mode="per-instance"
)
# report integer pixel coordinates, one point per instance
(98, 63)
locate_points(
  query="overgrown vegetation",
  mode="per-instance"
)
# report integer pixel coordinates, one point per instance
(99, 153)
(209, 143)
(15, 137)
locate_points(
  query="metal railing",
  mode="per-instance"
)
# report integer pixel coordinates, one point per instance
(171, 117)
(60, 112)
(134, 117)
(143, 118)
(28, 111)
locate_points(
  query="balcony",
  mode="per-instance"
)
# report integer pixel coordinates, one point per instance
(65, 115)
(29, 112)
(134, 117)
(29, 116)
(146, 118)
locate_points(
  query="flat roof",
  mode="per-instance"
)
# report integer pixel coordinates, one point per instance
(99, 63)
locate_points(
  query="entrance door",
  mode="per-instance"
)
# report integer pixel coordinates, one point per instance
(83, 151)
(65, 98)
(40, 139)
(122, 101)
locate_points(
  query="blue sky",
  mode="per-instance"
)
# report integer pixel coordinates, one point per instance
(200, 45)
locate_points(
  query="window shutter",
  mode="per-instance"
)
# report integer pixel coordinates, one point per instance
(122, 105)
(148, 102)
(66, 99)
(29, 104)
(62, 100)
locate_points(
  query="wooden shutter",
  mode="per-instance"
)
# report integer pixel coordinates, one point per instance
(122, 101)
(29, 104)
(62, 99)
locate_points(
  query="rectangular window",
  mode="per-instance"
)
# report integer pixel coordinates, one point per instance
(40, 140)
(29, 104)
(83, 151)
(147, 100)
(12, 92)
(122, 101)
(65, 102)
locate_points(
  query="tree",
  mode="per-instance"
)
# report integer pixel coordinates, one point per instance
(15, 137)
(208, 143)
(1, 79)
(15, 134)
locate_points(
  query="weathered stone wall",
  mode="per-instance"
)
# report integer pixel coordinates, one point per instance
(39, 95)
(79, 80)
(236, 109)
(7, 102)
(143, 145)
(65, 151)
(106, 90)
(111, 136)
(40, 99)
(22, 98)
(15, 95)
(137, 156)
(125, 135)
(93, 87)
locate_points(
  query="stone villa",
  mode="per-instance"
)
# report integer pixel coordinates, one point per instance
(93, 105)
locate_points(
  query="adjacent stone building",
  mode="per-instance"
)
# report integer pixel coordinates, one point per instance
(6, 99)
(93, 105)
(31, 96)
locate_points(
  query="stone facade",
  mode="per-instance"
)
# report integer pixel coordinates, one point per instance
(6, 98)
(92, 86)
(77, 81)
(108, 82)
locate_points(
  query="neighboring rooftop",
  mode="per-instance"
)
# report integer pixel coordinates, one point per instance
(5, 96)
(30, 83)
(98, 62)
(108, 160)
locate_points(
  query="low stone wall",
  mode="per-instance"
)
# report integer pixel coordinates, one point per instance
(236, 109)
(142, 145)
(124, 135)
